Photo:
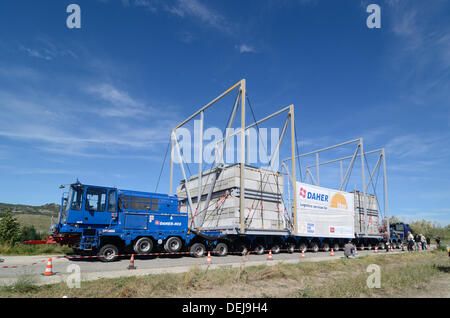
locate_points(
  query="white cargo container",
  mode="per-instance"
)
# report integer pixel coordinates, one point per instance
(263, 206)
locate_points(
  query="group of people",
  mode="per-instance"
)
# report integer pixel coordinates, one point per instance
(414, 243)
(420, 241)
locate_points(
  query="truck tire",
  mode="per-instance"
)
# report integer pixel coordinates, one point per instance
(314, 247)
(326, 247)
(197, 250)
(108, 253)
(382, 246)
(369, 246)
(143, 245)
(242, 248)
(259, 249)
(336, 247)
(221, 249)
(173, 244)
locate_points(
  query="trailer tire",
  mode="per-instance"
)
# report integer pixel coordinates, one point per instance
(326, 247)
(369, 246)
(275, 249)
(382, 246)
(291, 248)
(314, 247)
(336, 247)
(143, 245)
(108, 253)
(197, 250)
(173, 244)
(242, 248)
(303, 247)
(259, 249)
(221, 249)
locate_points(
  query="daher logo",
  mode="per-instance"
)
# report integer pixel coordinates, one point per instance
(338, 201)
(302, 192)
(313, 195)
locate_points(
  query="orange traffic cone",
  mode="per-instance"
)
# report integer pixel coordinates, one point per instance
(48, 268)
(332, 252)
(303, 253)
(270, 256)
(356, 250)
(376, 249)
(131, 265)
(208, 259)
(392, 248)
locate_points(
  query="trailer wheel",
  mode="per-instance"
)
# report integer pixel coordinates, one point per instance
(275, 249)
(259, 249)
(108, 253)
(173, 244)
(291, 248)
(197, 250)
(143, 245)
(303, 247)
(382, 246)
(242, 248)
(326, 247)
(369, 246)
(314, 247)
(221, 249)
(336, 247)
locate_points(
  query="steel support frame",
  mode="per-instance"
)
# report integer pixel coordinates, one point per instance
(242, 95)
(381, 160)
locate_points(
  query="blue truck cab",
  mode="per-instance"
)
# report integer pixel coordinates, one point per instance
(106, 221)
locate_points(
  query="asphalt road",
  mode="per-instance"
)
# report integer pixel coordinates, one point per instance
(91, 269)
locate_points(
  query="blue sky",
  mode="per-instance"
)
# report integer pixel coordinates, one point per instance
(99, 103)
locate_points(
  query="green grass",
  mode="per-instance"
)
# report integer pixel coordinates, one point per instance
(41, 249)
(338, 278)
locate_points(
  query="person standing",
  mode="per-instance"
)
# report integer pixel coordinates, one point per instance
(423, 241)
(410, 241)
(386, 240)
(438, 241)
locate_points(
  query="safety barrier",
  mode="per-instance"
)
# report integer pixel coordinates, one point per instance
(176, 253)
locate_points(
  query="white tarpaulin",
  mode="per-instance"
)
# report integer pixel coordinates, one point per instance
(323, 212)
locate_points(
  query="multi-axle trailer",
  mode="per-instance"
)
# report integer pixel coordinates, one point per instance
(225, 209)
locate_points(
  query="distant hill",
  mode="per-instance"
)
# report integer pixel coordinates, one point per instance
(38, 216)
(49, 209)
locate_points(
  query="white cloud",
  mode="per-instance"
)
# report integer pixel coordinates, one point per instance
(245, 48)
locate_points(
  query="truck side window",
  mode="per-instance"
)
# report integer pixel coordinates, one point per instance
(112, 201)
(96, 200)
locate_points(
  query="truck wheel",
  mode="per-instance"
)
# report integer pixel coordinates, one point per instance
(143, 245)
(336, 247)
(382, 246)
(173, 244)
(326, 247)
(197, 250)
(259, 249)
(314, 247)
(369, 246)
(361, 246)
(221, 249)
(108, 253)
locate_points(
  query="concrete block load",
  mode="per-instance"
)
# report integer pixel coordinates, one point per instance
(263, 206)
